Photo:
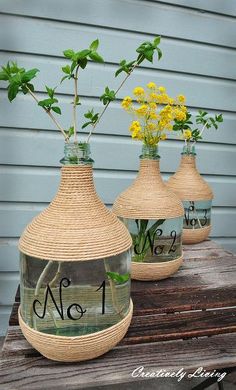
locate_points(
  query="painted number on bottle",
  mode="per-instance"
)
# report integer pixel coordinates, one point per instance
(74, 307)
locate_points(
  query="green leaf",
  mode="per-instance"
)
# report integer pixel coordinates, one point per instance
(81, 54)
(118, 278)
(66, 69)
(13, 90)
(63, 78)
(24, 89)
(89, 114)
(4, 76)
(69, 53)
(148, 54)
(29, 75)
(83, 62)
(30, 86)
(157, 40)
(96, 57)
(94, 45)
(118, 72)
(56, 109)
(47, 102)
(86, 124)
(50, 91)
(159, 53)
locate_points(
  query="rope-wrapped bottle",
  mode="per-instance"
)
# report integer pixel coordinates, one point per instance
(75, 269)
(154, 216)
(196, 196)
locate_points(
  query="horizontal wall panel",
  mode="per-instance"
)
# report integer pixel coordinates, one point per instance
(225, 7)
(23, 113)
(130, 15)
(8, 285)
(14, 218)
(210, 93)
(120, 153)
(24, 35)
(36, 185)
(5, 312)
(9, 254)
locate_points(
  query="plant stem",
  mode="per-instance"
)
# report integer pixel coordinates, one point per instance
(113, 291)
(75, 103)
(201, 132)
(50, 114)
(106, 106)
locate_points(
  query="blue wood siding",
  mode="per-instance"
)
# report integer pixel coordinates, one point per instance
(198, 42)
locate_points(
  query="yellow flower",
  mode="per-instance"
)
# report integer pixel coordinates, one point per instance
(169, 127)
(135, 126)
(162, 89)
(180, 115)
(126, 102)
(151, 85)
(181, 99)
(153, 115)
(142, 110)
(152, 105)
(163, 99)
(163, 137)
(138, 91)
(171, 101)
(151, 126)
(154, 97)
(187, 134)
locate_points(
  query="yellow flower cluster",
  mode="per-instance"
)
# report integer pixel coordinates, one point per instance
(187, 134)
(155, 111)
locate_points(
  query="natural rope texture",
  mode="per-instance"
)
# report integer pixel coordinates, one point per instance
(187, 183)
(78, 348)
(193, 236)
(155, 271)
(148, 197)
(76, 225)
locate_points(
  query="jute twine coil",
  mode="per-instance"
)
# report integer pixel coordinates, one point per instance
(148, 197)
(75, 349)
(155, 271)
(187, 182)
(193, 236)
(76, 225)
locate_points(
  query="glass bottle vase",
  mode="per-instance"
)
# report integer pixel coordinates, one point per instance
(75, 269)
(196, 196)
(154, 217)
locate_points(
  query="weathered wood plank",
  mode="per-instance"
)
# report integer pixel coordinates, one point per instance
(13, 320)
(146, 329)
(117, 365)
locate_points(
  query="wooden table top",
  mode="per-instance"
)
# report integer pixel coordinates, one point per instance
(187, 321)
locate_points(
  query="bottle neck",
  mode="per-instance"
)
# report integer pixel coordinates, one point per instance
(149, 153)
(76, 154)
(189, 150)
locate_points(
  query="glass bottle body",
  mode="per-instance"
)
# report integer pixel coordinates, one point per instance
(155, 240)
(197, 214)
(74, 298)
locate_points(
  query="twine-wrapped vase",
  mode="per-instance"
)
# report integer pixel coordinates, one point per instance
(196, 196)
(153, 214)
(75, 270)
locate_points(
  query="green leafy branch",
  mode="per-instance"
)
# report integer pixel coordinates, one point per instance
(203, 119)
(78, 60)
(18, 80)
(145, 51)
